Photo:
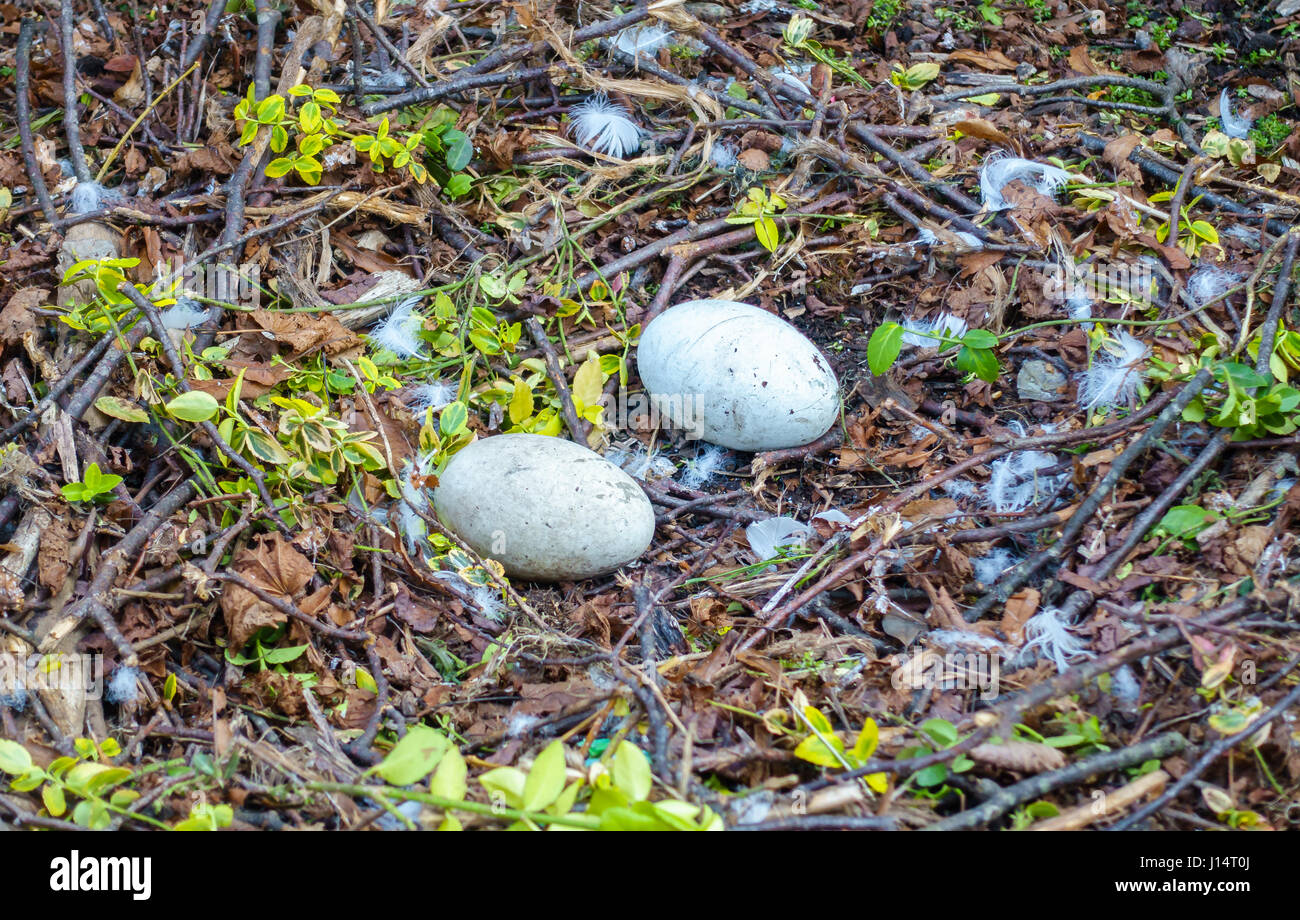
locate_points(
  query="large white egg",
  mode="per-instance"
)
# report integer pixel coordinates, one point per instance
(545, 508)
(737, 376)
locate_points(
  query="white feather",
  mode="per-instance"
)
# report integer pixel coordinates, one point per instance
(788, 81)
(723, 156)
(991, 566)
(1209, 283)
(400, 331)
(921, 333)
(1049, 635)
(605, 127)
(1233, 125)
(960, 638)
(1018, 481)
(488, 601)
(925, 237)
(639, 464)
(999, 170)
(700, 470)
(767, 538)
(643, 41)
(1116, 371)
(86, 197)
(184, 314)
(432, 395)
(414, 500)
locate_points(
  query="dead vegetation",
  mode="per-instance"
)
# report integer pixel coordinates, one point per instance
(1054, 556)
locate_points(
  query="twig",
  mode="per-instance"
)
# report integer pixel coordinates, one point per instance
(1220, 747)
(196, 48)
(578, 428)
(1155, 748)
(23, 115)
(71, 126)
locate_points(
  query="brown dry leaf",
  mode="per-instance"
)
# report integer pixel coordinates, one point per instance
(303, 333)
(276, 567)
(52, 563)
(1019, 756)
(985, 60)
(1020, 607)
(984, 129)
(753, 159)
(417, 614)
(17, 316)
(1081, 62)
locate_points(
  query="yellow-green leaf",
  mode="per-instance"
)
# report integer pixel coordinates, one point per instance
(116, 407)
(546, 778)
(769, 235)
(450, 779)
(194, 406)
(587, 382)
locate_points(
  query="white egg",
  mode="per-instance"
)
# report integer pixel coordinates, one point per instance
(737, 376)
(545, 508)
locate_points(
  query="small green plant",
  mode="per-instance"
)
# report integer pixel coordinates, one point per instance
(914, 77)
(882, 16)
(1221, 51)
(975, 355)
(797, 37)
(757, 209)
(936, 735)
(825, 748)
(263, 656)
(1199, 232)
(957, 19)
(1270, 131)
(1162, 33)
(85, 777)
(1260, 57)
(615, 793)
(315, 128)
(94, 486)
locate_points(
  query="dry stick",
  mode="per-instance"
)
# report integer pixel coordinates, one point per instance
(57, 389)
(919, 488)
(1280, 293)
(1006, 799)
(150, 311)
(387, 44)
(195, 50)
(577, 427)
(457, 84)
(99, 601)
(289, 609)
(1015, 577)
(23, 115)
(1176, 203)
(71, 127)
(268, 18)
(685, 235)
(467, 77)
(1220, 747)
(1169, 176)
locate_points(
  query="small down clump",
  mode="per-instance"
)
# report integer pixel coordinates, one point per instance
(1209, 283)
(1116, 371)
(700, 470)
(88, 197)
(603, 126)
(123, 686)
(999, 170)
(400, 331)
(921, 333)
(1049, 635)
(1233, 125)
(432, 395)
(1018, 481)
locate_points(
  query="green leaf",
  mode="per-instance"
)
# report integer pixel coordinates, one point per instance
(508, 782)
(546, 778)
(459, 149)
(978, 361)
(769, 235)
(14, 758)
(632, 771)
(521, 403)
(123, 409)
(414, 756)
(450, 779)
(883, 348)
(980, 338)
(270, 110)
(822, 753)
(194, 406)
(940, 731)
(453, 418)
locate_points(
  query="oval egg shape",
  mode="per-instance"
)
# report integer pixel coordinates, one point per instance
(547, 509)
(737, 376)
